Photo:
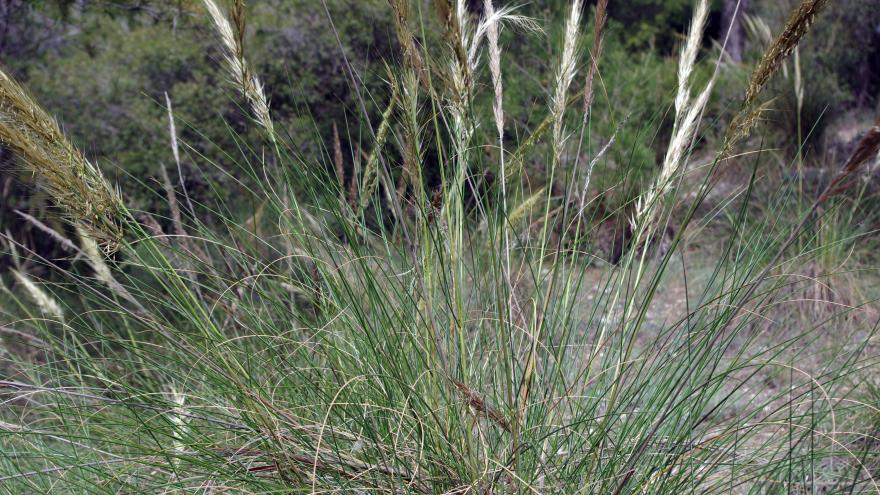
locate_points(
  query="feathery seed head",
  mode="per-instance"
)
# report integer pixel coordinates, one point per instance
(797, 26)
(687, 118)
(407, 40)
(565, 74)
(595, 53)
(495, 67)
(371, 171)
(233, 43)
(44, 301)
(95, 258)
(795, 29)
(66, 175)
(688, 56)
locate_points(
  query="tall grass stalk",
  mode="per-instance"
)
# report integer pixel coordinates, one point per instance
(595, 54)
(507, 302)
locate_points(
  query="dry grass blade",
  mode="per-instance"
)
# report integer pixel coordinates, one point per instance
(172, 130)
(173, 205)
(590, 168)
(66, 175)
(479, 404)
(338, 163)
(170, 194)
(175, 150)
(355, 182)
(64, 242)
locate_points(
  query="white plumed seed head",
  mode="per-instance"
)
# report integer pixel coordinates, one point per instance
(96, 259)
(249, 84)
(687, 118)
(495, 67)
(565, 74)
(490, 27)
(688, 56)
(44, 301)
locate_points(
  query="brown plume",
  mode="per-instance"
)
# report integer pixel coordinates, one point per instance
(867, 149)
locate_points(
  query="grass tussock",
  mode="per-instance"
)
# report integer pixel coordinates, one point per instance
(362, 329)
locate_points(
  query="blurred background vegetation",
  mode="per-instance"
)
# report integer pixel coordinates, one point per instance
(103, 68)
